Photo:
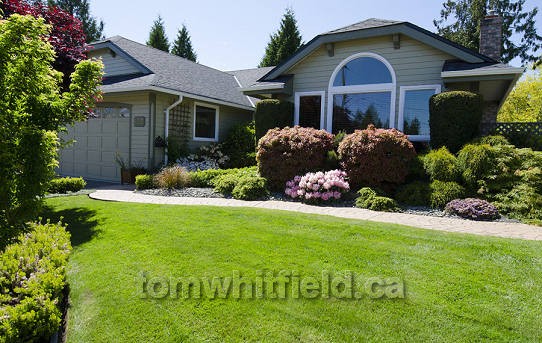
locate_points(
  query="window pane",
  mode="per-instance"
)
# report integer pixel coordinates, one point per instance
(205, 122)
(363, 71)
(416, 112)
(309, 111)
(110, 112)
(357, 111)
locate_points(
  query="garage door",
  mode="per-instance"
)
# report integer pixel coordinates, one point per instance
(97, 141)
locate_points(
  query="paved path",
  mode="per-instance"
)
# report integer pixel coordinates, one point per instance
(498, 229)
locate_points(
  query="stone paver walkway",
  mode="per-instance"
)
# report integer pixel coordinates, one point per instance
(498, 229)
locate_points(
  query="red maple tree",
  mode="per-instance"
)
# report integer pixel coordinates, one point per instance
(67, 36)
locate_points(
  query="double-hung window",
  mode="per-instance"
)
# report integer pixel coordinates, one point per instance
(205, 122)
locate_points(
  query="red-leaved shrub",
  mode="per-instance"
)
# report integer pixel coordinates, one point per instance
(376, 157)
(285, 153)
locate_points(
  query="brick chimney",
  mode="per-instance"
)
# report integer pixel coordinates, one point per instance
(491, 35)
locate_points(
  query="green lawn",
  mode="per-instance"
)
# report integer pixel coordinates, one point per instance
(459, 288)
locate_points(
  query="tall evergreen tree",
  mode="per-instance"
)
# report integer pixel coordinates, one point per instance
(460, 22)
(157, 36)
(283, 43)
(183, 46)
(80, 9)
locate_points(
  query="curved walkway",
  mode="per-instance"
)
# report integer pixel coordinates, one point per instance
(497, 229)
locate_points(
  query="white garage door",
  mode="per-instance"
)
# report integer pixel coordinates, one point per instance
(97, 141)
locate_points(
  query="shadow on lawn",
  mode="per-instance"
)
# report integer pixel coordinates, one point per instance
(82, 223)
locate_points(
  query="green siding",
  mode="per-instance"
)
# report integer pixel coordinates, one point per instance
(414, 64)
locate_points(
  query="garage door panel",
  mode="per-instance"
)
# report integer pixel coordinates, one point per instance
(93, 142)
(98, 140)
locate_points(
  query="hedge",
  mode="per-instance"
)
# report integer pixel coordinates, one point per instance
(454, 119)
(66, 184)
(31, 283)
(272, 113)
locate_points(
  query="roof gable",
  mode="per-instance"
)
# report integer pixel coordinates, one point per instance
(163, 70)
(373, 28)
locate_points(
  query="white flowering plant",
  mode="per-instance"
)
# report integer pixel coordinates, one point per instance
(208, 157)
(319, 186)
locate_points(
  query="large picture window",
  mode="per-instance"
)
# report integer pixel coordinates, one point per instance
(205, 122)
(414, 111)
(361, 92)
(309, 109)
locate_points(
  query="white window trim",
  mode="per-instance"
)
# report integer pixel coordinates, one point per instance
(402, 94)
(297, 105)
(205, 139)
(372, 88)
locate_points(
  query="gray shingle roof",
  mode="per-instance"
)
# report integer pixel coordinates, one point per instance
(455, 65)
(365, 24)
(176, 74)
(248, 77)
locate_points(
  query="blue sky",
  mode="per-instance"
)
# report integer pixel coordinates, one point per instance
(230, 35)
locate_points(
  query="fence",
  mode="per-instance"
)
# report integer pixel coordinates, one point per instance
(524, 135)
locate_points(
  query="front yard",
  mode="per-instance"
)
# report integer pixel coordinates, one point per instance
(458, 287)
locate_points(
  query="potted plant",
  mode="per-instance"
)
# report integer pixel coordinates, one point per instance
(128, 172)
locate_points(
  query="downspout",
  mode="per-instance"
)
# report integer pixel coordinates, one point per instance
(166, 129)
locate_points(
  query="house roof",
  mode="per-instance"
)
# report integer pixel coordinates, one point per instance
(378, 27)
(161, 70)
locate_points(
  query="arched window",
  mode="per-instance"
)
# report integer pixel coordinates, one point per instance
(361, 92)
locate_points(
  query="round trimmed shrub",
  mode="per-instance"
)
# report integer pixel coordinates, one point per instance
(470, 208)
(454, 119)
(225, 184)
(144, 181)
(285, 153)
(368, 199)
(240, 146)
(441, 165)
(416, 193)
(442, 192)
(250, 188)
(376, 157)
(66, 184)
(494, 140)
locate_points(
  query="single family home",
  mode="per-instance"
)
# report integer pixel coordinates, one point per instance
(375, 71)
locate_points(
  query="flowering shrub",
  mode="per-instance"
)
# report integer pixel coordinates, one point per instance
(472, 208)
(376, 157)
(284, 153)
(318, 186)
(208, 157)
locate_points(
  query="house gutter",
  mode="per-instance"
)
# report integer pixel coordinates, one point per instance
(166, 129)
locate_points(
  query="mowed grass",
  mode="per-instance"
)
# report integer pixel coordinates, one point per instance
(459, 288)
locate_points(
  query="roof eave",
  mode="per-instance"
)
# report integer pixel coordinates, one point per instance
(175, 92)
(483, 72)
(117, 50)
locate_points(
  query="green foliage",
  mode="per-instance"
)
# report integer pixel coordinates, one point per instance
(454, 119)
(183, 45)
(225, 183)
(157, 37)
(493, 140)
(376, 157)
(441, 165)
(416, 170)
(442, 192)
(31, 283)
(144, 181)
(522, 202)
(476, 162)
(204, 178)
(368, 198)
(272, 113)
(285, 153)
(468, 14)
(417, 193)
(250, 188)
(66, 184)
(32, 111)
(524, 104)
(177, 147)
(80, 9)
(172, 177)
(284, 43)
(240, 146)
